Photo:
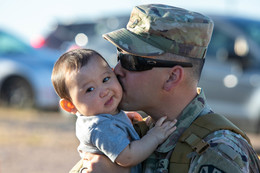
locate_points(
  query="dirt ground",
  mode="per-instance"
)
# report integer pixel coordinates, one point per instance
(36, 142)
(33, 141)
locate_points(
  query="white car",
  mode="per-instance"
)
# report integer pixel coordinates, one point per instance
(25, 74)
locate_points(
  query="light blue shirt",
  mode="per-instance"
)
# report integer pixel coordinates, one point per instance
(106, 134)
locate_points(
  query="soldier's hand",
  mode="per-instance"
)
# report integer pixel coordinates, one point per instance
(134, 116)
(95, 163)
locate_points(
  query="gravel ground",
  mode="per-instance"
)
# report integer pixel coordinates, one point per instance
(36, 142)
(32, 141)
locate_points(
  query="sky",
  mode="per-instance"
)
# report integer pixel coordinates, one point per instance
(30, 19)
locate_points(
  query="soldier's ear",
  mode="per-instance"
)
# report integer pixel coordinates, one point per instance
(68, 106)
(175, 76)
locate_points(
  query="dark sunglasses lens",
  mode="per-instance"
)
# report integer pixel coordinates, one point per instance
(133, 63)
(127, 62)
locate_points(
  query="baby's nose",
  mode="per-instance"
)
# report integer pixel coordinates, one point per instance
(104, 92)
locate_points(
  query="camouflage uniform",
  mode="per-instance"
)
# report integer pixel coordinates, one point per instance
(155, 29)
(219, 158)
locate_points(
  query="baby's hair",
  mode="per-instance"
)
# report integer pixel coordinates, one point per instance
(68, 62)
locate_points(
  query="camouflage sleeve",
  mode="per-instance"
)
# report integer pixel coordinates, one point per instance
(228, 152)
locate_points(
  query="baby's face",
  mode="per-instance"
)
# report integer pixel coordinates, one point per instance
(94, 89)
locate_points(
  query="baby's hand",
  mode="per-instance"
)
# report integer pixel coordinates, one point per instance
(162, 129)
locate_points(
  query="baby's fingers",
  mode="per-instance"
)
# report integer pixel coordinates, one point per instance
(160, 121)
(173, 123)
(169, 124)
(170, 131)
(169, 127)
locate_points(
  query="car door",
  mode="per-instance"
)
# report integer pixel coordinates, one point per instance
(224, 78)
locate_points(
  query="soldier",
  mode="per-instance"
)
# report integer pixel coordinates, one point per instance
(204, 142)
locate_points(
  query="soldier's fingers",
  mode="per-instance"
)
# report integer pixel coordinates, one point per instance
(84, 170)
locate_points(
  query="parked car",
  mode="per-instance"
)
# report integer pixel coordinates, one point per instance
(231, 75)
(66, 36)
(25, 74)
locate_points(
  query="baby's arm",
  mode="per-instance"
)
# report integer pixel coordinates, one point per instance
(138, 151)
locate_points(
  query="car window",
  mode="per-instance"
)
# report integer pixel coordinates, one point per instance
(221, 45)
(250, 27)
(236, 41)
(11, 45)
(219, 40)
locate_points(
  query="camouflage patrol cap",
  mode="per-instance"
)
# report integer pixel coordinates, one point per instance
(155, 29)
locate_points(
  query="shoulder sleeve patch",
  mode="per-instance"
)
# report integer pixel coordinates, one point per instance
(228, 151)
(209, 169)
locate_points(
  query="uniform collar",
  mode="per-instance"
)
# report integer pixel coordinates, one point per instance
(195, 108)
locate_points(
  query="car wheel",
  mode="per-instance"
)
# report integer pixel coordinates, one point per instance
(16, 92)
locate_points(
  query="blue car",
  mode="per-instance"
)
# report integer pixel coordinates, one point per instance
(25, 74)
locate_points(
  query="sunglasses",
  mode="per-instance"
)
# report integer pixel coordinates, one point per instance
(137, 63)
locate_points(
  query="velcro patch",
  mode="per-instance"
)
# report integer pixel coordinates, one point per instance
(209, 169)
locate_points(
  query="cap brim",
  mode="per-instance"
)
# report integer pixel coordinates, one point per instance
(132, 43)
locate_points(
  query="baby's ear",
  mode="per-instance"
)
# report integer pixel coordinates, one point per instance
(68, 106)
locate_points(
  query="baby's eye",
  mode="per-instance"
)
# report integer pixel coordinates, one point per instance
(106, 79)
(90, 89)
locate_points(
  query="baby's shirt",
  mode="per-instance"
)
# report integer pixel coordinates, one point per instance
(105, 134)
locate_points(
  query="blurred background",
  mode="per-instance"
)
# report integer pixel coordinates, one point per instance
(35, 136)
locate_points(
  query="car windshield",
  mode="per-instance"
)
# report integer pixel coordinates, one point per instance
(12, 45)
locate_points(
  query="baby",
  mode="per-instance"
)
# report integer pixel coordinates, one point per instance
(89, 88)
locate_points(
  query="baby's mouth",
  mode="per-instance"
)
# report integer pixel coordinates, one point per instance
(109, 101)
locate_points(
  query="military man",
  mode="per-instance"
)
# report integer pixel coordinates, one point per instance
(204, 142)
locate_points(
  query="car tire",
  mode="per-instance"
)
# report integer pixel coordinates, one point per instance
(16, 92)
